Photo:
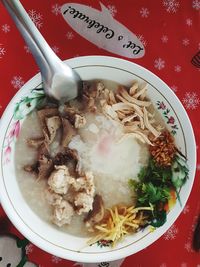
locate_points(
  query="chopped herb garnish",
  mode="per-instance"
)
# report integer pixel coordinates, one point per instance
(155, 185)
(149, 193)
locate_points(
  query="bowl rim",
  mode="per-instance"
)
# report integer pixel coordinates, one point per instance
(88, 60)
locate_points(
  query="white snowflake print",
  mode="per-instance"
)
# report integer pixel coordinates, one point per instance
(186, 209)
(55, 49)
(163, 265)
(188, 22)
(196, 4)
(184, 264)
(171, 6)
(144, 12)
(159, 63)
(164, 39)
(56, 9)
(142, 39)
(112, 9)
(27, 49)
(171, 233)
(188, 246)
(177, 68)
(69, 35)
(29, 248)
(191, 100)
(36, 18)
(17, 82)
(174, 88)
(56, 259)
(5, 28)
(186, 42)
(2, 51)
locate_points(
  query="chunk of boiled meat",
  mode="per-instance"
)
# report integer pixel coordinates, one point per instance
(85, 184)
(53, 198)
(84, 193)
(83, 202)
(60, 180)
(63, 213)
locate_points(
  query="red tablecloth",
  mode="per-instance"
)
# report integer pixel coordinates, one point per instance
(169, 31)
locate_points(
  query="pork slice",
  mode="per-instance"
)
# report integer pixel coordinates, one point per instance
(49, 126)
(79, 121)
(46, 113)
(43, 150)
(45, 166)
(67, 157)
(90, 89)
(68, 132)
(75, 116)
(52, 125)
(89, 103)
(69, 113)
(44, 162)
(96, 214)
(35, 142)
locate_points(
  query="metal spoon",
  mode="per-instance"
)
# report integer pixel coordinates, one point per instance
(59, 80)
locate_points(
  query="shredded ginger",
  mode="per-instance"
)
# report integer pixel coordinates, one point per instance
(120, 222)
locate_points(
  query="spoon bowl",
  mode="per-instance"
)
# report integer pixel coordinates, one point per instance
(59, 80)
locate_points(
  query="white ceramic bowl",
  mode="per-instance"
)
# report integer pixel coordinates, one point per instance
(43, 234)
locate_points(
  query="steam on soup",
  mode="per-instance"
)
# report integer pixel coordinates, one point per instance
(103, 165)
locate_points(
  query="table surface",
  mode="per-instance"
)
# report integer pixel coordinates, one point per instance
(169, 31)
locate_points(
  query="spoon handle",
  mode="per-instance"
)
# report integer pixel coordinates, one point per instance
(45, 57)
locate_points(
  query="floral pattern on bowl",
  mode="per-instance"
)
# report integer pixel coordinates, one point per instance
(22, 108)
(166, 112)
